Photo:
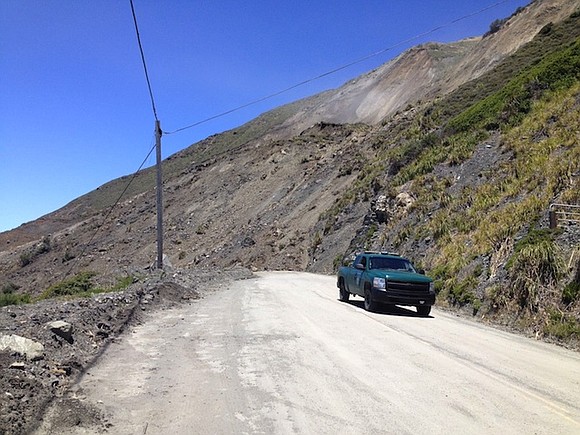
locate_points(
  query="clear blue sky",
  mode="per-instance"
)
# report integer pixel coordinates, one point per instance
(74, 107)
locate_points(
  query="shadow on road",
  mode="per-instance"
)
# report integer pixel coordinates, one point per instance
(390, 310)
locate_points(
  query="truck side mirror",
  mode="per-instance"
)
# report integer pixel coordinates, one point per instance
(359, 266)
(421, 271)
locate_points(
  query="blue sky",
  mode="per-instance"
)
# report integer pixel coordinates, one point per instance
(74, 106)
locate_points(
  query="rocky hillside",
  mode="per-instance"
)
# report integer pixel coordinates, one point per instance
(451, 154)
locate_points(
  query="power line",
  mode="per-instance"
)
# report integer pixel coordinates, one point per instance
(143, 60)
(158, 134)
(109, 213)
(340, 68)
(302, 83)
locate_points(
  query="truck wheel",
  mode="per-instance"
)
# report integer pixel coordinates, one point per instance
(343, 295)
(423, 310)
(370, 305)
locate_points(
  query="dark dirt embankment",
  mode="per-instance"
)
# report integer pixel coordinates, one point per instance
(45, 347)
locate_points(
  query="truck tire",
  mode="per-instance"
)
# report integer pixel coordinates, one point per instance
(423, 310)
(343, 295)
(370, 305)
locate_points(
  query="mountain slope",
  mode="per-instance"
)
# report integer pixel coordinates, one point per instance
(294, 190)
(419, 74)
(425, 72)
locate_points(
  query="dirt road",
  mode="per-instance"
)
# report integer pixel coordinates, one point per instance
(280, 354)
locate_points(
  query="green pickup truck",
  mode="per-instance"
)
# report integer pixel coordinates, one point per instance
(389, 279)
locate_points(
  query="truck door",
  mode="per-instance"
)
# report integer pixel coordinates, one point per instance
(355, 277)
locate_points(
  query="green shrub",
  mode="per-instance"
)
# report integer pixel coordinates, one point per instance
(561, 326)
(80, 284)
(123, 283)
(44, 246)
(316, 241)
(67, 256)
(571, 292)
(496, 296)
(462, 293)
(9, 288)
(535, 264)
(441, 225)
(13, 299)
(495, 26)
(25, 259)
(8, 297)
(337, 262)
(373, 228)
(476, 303)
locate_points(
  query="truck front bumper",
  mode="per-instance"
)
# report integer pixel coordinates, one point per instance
(391, 297)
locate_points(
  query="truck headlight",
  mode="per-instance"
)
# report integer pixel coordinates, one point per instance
(380, 283)
(431, 287)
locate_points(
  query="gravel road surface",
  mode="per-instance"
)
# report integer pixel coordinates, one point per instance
(279, 354)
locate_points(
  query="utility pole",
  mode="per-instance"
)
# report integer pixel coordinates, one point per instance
(159, 196)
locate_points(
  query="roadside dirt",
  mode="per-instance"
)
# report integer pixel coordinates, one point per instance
(30, 382)
(279, 353)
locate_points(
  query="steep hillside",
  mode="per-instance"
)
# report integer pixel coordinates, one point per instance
(451, 154)
(425, 72)
(465, 188)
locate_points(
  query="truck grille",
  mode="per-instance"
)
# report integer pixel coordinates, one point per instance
(408, 288)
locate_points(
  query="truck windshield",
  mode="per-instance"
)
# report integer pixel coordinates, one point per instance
(391, 263)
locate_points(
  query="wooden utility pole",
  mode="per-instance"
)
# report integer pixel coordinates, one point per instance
(159, 196)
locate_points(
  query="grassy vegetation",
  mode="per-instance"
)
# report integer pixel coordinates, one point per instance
(498, 105)
(551, 39)
(508, 106)
(535, 267)
(9, 297)
(519, 191)
(571, 293)
(517, 195)
(531, 100)
(81, 285)
(562, 326)
(421, 157)
(462, 292)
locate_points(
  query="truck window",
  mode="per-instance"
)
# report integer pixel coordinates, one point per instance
(360, 260)
(391, 263)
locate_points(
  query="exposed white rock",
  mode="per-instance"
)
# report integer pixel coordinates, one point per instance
(25, 346)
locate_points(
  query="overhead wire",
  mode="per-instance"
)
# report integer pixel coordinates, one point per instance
(143, 60)
(109, 211)
(340, 68)
(302, 83)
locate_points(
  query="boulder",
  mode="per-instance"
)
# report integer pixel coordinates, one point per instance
(63, 329)
(404, 200)
(31, 349)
